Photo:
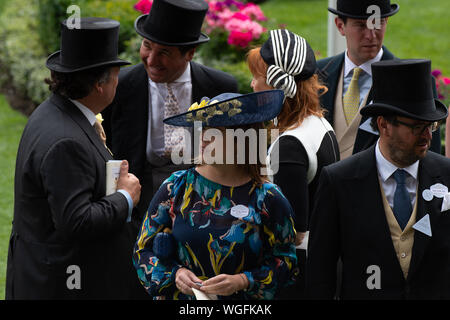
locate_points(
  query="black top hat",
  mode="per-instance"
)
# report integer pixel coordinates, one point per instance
(95, 44)
(403, 87)
(174, 22)
(358, 9)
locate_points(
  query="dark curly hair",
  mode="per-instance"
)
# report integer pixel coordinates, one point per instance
(77, 85)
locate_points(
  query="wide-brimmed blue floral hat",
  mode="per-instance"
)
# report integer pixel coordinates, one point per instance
(231, 109)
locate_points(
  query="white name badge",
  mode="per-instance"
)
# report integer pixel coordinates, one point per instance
(439, 190)
(427, 195)
(239, 211)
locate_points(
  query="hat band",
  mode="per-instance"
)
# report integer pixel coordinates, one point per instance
(73, 62)
(424, 107)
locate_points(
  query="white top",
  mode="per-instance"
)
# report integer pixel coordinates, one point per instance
(385, 174)
(310, 133)
(182, 89)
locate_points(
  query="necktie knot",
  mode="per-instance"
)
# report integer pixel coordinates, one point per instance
(356, 73)
(400, 176)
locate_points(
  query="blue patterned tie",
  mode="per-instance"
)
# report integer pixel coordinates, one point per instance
(402, 201)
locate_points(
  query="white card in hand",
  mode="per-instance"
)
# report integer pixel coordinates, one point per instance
(112, 175)
(203, 296)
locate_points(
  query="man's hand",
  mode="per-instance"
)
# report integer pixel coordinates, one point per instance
(129, 183)
(225, 284)
(185, 280)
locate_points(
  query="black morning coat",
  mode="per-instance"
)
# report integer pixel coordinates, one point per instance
(349, 221)
(69, 240)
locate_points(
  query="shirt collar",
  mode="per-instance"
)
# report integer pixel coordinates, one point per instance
(386, 168)
(86, 111)
(366, 66)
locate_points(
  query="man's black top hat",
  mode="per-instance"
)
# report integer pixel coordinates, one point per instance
(357, 9)
(174, 22)
(95, 44)
(403, 87)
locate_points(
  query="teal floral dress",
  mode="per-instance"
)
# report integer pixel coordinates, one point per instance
(218, 230)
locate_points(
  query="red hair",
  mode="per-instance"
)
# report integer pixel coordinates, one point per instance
(306, 101)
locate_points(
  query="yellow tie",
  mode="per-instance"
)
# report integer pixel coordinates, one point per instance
(101, 133)
(351, 97)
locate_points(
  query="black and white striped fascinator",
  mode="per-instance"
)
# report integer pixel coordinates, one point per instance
(290, 59)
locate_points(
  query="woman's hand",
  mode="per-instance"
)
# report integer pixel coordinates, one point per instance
(225, 284)
(185, 280)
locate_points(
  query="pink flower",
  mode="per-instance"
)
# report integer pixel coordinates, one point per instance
(253, 11)
(143, 6)
(253, 27)
(240, 16)
(240, 39)
(237, 19)
(436, 73)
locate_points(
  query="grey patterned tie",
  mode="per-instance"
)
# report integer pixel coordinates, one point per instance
(173, 136)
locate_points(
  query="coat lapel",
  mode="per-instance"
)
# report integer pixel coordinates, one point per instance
(329, 74)
(368, 201)
(69, 108)
(427, 177)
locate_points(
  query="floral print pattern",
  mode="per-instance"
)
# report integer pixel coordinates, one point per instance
(212, 239)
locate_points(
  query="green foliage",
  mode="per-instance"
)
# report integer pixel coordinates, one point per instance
(50, 14)
(132, 47)
(12, 124)
(239, 70)
(21, 51)
(120, 10)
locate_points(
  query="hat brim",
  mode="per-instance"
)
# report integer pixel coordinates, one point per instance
(54, 64)
(138, 26)
(239, 110)
(394, 9)
(379, 109)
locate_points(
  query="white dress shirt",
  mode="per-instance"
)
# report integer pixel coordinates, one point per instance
(182, 89)
(385, 174)
(365, 78)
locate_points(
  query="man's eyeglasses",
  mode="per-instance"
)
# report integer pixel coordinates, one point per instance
(418, 129)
